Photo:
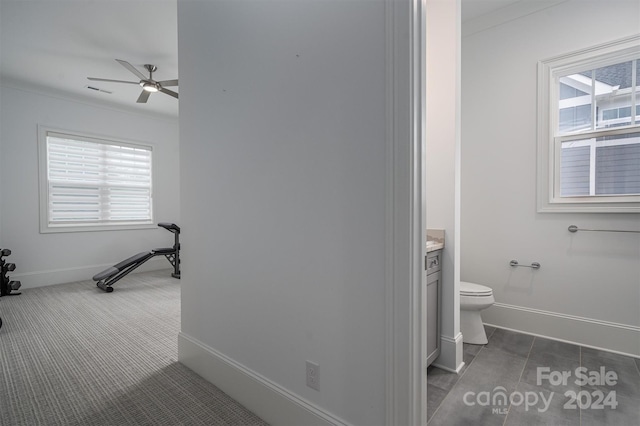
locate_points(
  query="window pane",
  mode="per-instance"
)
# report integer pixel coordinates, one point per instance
(574, 169)
(575, 118)
(618, 165)
(624, 112)
(574, 103)
(567, 92)
(610, 84)
(610, 114)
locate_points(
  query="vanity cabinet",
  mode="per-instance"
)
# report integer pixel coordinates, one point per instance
(434, 285)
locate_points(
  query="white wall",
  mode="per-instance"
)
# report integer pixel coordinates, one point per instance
(44, 259)
(442, 136)
(589, 283)
(283, 186)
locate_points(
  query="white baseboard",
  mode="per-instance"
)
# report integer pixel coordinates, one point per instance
(451, 350)
(269, 401)
(79, 273)
(609, 336)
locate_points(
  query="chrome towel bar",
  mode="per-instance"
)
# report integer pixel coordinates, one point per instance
(534, 265)
(574, 228)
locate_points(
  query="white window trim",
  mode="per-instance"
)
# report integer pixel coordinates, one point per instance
(548, 155)
(45, 227)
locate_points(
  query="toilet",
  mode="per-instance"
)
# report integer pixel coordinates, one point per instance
(473, 299)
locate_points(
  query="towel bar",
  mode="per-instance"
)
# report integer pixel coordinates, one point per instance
(574, 228)
(534, 265)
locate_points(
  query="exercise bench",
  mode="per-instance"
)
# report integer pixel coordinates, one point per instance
(110, 276)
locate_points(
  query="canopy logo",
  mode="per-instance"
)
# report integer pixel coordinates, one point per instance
(500, 401)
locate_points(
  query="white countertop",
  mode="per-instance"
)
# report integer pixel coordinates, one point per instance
(435, 239)
(434, 245)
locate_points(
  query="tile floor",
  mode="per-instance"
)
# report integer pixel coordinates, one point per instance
(499, 385)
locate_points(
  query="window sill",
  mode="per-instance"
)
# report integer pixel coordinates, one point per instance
(53, 229)
(588, 207)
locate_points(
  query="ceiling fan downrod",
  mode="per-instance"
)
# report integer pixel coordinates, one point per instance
(151, 69)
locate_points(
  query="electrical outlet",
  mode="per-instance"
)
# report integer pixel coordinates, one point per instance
(313, 375)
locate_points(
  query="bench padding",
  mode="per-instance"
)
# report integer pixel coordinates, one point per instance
(133, 259)
(140, 257)
(105, 274)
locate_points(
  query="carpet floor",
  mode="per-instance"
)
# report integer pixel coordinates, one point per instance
(71, 354)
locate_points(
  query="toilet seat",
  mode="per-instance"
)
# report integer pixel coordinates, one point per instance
(474, 290)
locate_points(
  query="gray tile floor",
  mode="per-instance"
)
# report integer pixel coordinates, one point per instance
(516, 379)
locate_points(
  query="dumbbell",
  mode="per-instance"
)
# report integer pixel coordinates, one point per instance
(8, 285)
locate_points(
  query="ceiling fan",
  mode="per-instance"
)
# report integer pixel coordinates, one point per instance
(149, 85)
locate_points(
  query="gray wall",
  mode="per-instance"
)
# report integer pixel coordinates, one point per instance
(283, 188)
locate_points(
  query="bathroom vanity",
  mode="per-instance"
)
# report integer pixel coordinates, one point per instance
(434, 284)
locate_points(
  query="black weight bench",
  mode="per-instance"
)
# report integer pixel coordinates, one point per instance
(110, 276)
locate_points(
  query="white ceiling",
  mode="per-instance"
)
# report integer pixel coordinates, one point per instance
(54, 45)
(472, 9)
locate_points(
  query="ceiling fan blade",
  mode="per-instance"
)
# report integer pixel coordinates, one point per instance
(133, 69)
(169, 92)
(112, 81)
(142, 99)
(168, 83)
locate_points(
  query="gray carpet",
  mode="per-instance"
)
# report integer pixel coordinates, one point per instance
(71, 354)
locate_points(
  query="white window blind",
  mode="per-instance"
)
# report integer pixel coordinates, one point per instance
(91, 181)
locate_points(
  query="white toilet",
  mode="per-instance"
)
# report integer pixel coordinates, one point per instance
(473, 299)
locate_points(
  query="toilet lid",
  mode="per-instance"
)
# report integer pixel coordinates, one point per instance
(472, 289)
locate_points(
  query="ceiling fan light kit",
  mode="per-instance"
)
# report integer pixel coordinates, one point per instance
(149, 85)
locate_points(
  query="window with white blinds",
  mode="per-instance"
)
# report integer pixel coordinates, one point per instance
(95, 182)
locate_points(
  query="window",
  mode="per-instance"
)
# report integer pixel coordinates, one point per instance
(91, 183)
(589, 130)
